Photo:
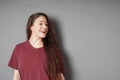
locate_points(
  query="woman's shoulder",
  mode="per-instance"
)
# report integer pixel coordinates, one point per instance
(21, 44)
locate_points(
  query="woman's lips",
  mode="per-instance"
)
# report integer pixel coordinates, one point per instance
(44, 31)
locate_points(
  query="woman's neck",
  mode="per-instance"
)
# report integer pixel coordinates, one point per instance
(36, 42)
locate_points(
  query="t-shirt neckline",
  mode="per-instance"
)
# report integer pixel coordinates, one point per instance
(33, 47)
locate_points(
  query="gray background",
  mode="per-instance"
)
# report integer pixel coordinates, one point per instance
(88, 32)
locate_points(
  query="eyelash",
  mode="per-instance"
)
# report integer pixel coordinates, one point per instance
(45, 24)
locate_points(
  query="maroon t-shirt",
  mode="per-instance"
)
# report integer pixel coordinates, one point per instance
(31, 62)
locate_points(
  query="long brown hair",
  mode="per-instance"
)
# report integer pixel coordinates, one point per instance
(50, 45)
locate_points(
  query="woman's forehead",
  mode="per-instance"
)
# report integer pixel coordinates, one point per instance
(41, 19)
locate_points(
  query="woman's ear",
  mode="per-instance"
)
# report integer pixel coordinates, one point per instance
(31, 28)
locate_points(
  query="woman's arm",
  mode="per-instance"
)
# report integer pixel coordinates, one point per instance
(62, 76)
(16, 75)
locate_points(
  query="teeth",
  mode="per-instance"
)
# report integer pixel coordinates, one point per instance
(43, 31)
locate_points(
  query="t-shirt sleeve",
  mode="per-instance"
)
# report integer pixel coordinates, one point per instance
(13, 62)
(60, 58)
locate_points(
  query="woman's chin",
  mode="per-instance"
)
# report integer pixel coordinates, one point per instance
(42, 36)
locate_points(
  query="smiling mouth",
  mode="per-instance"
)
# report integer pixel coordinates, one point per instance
(44, 31)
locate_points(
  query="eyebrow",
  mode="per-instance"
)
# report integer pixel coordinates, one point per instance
(43, 21)
(40, 21)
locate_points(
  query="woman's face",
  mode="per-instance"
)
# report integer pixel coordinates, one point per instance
(40, 27)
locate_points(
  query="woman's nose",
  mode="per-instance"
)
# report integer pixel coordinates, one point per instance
(44, 26)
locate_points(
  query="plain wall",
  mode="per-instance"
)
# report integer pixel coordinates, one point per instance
(88, 32)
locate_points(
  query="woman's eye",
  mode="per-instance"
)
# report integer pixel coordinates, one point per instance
(46, 24)
(40, 23)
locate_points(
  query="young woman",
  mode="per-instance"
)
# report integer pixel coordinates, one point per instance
(39, 57)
